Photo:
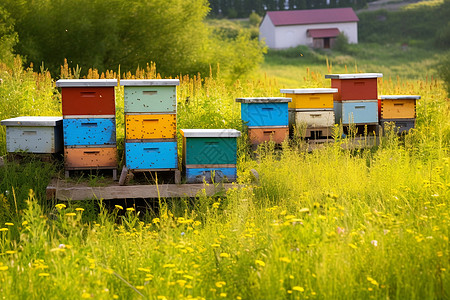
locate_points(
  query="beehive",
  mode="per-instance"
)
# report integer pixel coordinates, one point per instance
(266, 118)
(311, 118)
(88, 107)
(360, 86)
(314, 98)
(400, 125)
(356, 112)
(209, 154)
(150, 124)
(398, 106)
(34, 134)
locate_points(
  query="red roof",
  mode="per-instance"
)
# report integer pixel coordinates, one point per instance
(312, 16)
(323, 33)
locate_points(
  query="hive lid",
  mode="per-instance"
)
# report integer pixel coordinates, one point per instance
(222, 133)
(309, 91)
(264, 100)
(149, 82)
(354, 76)
(400, 97)
(86, 82)
(32, 121)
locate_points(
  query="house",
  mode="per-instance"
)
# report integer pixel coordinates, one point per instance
(316, 28)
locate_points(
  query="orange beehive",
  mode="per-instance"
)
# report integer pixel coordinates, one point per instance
(398, 106)
(258, 135)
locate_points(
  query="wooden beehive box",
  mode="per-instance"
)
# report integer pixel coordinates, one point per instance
(398, 106)
(264, 111)
(258, 135)
(314, 98)
(34, 134)
(89, 131)
(86, 97)
(359, 86)
(209, 154)
(150, 95)
(401, 125)
(311, 118)
(151, 156)
(356, 112)
(151, 126)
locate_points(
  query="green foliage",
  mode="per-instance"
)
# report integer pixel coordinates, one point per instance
(104, 35)
(341, 43)
(427, 23)
(8, 37)
(254, 19)
(444, 71)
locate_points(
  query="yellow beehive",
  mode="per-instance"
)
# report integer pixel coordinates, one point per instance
(150, 126)
(319, 98)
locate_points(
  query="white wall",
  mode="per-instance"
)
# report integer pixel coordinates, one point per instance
(281, 37)
(267, 32)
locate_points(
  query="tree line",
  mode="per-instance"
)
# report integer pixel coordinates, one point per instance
(106, 34)
(243, 8)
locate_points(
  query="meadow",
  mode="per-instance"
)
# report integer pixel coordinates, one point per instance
(335, 223)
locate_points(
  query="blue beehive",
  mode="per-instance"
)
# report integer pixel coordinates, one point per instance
(209, 154)
(356, 112)
(34, 134)
(89, 131)
(151, 156)
(267, 111)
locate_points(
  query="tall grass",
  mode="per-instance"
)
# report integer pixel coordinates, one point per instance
(334, 223)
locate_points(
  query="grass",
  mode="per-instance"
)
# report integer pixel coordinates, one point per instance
(334, 223)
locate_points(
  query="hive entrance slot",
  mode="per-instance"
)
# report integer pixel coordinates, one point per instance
(88, 94)
(29, 132)
(149, 93)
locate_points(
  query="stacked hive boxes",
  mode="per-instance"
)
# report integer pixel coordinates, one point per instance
(266, 118)
(34, 134)
(151, 125)
(356, 101)
(400, 109)
(209, 154)
(311, 111)
(88, 107)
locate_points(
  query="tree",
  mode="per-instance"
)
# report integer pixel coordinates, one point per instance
(8, 37)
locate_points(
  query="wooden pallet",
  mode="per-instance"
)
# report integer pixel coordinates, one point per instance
(65, 191)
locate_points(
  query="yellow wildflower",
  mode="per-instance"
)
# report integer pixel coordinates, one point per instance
(4, 229)
(144, 270)
(24, 223)
(60, 206)
(223, 295)
(220, 284)
(353, 246)
(85, 295)
(3, 268)
(10, 252)
(285, 259)
(43, 274)
(298, 289)
(9, 224)
(71, 214)
(118, 207)
(304, 210)
(79, 209)
(139, 287)
(223, 254)
(156, 220)
(130, 209)
(260, 262)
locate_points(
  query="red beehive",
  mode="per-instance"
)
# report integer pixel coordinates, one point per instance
(87, 96)
(360, 86)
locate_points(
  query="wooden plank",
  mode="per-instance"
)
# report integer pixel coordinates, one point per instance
(61, 190)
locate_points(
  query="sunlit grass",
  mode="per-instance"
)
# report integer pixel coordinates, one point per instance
(330, 224)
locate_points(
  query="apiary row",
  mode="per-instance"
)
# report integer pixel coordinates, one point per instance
(352, 99)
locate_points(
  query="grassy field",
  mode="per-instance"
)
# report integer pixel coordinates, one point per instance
(331, 224)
